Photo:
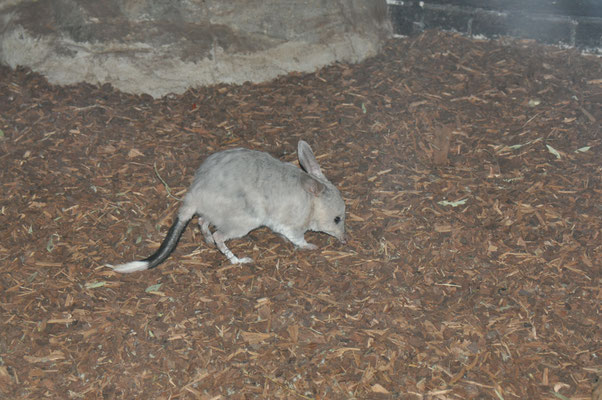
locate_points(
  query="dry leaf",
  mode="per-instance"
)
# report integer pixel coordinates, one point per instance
(443, 228)
(54, 356)
(255, 337)
(133, 153)
(377, 388)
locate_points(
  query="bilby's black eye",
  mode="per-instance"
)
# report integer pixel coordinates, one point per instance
(337, 219)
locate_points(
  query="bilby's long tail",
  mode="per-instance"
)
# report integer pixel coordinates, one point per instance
(169, 244)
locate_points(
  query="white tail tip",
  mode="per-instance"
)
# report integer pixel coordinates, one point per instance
(130, 267)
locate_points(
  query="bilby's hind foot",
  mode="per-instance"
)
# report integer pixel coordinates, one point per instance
(219, 239)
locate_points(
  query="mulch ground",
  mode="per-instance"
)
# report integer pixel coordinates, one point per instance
(471, 171)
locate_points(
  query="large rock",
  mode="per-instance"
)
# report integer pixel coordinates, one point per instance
(165, 46)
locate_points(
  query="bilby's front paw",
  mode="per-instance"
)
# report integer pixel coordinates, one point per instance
(308, 246)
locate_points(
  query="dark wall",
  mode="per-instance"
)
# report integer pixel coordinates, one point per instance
(576, 8)
(575, 23)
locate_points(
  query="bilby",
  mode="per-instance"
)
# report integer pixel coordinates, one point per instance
(238, 190)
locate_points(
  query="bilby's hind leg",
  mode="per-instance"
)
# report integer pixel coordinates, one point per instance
(204, 225)
(219, 239)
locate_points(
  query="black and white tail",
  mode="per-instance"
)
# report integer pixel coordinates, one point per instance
(169, 244)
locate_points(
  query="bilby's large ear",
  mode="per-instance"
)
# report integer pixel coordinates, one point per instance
(308, 160)
(311, 185)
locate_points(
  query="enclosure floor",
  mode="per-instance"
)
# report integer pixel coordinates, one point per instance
(471, 171)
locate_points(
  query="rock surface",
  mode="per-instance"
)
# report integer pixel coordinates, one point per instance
(160, 46)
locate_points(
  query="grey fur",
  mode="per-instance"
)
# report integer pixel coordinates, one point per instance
(239, 190)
